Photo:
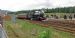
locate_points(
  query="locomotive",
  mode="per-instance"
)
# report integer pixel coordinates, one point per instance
(33, 15)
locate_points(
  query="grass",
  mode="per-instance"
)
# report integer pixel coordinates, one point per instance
(59, 14)
(24, 29)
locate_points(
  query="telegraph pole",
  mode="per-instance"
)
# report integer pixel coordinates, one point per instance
(47, 5)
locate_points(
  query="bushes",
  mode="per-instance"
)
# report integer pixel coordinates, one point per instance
(44, 34)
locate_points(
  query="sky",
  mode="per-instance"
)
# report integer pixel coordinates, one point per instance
(16, 5)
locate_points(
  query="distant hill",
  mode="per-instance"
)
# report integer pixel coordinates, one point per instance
(4, 11)
(53, 10)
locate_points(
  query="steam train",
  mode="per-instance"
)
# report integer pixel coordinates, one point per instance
(33, 15)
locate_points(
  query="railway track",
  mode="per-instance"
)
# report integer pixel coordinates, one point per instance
(65, 25)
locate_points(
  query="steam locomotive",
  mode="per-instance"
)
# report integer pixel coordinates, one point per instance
(33, 15)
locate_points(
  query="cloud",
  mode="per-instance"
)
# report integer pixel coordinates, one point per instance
(15, 5)
(62, 3)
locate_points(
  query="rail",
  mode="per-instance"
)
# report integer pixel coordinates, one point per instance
(3, 32)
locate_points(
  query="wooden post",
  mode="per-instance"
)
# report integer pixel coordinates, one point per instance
(1, 21)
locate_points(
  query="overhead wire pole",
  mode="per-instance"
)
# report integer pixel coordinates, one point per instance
(47, 5)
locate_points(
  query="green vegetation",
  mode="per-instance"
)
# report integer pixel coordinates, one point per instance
(53, 10)
(25, 29)
(61, 10)
(58, 14)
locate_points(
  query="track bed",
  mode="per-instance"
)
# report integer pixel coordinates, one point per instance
(63, 25)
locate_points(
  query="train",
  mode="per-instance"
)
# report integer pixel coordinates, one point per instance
(33, 15)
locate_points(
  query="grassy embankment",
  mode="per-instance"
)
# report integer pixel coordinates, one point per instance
(24, 29)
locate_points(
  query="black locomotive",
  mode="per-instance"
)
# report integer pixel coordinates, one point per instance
(33, 15)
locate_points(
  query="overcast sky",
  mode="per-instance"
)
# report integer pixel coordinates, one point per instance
(15, 5)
